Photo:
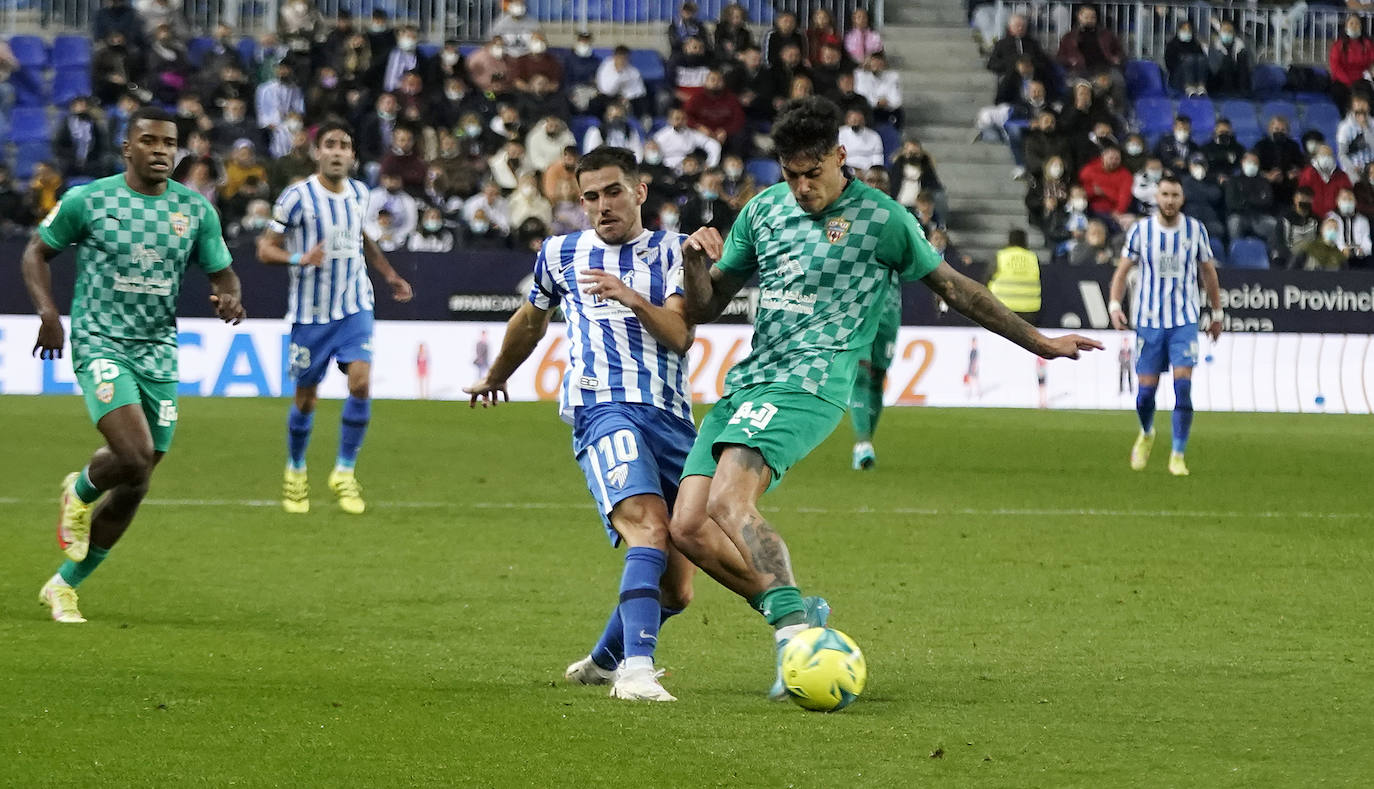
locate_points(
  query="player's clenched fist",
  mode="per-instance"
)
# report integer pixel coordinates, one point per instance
(705, 241)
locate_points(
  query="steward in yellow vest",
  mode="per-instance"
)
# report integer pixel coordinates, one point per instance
(1016, 280)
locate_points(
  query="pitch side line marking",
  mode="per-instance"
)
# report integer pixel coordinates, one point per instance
(924, 511)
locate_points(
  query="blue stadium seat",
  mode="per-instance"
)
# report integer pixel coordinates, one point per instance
(1304, 97)
(30, 51)
(1203, 114)
(78, 180)
(1218, 250)
(468, 49)
(1267, 81)
(650, 64)
(29, 124)
(892, 140)
(1143, 78)
(69, 83)
(71, 52)
(1156, 115)
(29, 90)
(1248, 253)
(579, 126)
(429, 50)
(1243, 119)
(1321, 115)
(196, 50)
(28, 155)
(1285, 109)
(766, 172)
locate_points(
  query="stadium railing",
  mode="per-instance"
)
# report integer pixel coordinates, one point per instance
(1295, 35)
(466, 20)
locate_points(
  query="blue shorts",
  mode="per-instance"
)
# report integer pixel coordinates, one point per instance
(627, 449)
(1157, 350)
(314, 344)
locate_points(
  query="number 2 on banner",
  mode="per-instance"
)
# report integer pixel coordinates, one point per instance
(908, 395)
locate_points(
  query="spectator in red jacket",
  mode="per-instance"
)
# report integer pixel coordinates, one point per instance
(716, 112)
(1325, 180)
(1108, 185)
(1352, 53)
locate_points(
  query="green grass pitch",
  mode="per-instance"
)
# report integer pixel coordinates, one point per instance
(1033, 613)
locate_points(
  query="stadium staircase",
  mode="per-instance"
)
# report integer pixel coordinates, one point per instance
(944, 83)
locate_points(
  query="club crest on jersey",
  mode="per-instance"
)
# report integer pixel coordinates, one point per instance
(180, 223)
(836, 229)
(105, 392)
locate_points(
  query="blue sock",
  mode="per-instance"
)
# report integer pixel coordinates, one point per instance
(75, 572)
(298, 427)
(357, 412)
(610, 650)
(639, 608)
(1145, 406)
(1183, 412)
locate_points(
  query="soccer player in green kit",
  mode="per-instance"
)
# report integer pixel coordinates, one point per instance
(824, 247)
(135, 233)
(866, 403)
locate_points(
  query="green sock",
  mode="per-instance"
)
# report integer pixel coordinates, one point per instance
(75, 572)
(861, 407)
(875, 401)
(781, 606)
(85, 489)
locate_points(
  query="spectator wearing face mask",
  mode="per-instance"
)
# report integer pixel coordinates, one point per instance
(1042, 141)
(1145, 186)
(685, 26)
(1324, 253)
(1298, 227)
(579, 73)
(708, 208)
(527, 201)
(616, 131)
(1229, 63)
(1355, 241)
(1177, 148)
(1186, 61)
(1324, 179)
(275, 101)
(545, 143)
(1066, 226)
(538, 61)
(1355, 137)
(509, 164)
(1223, 152)
(384, 230)
(738, 186)
(404, 58)
(431, 235)
(863, 146)
(1095, 249)
(1133, 153)
(492, 67)
(491, 205)
(81, 145)
(516, 28)
(1203, 198)
(405, 163)
(1047, 189)
(391, 196)
(1281, 159)
(1250, 203)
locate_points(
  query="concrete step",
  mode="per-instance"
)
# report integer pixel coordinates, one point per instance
(971, 221)
(979, 79)
(964, 151)
(908, 36)
(988, 240)
(941, 132)
(974, 173)
(901, 14)
(1007, 205)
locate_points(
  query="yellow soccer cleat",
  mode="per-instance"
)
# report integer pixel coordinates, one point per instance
(1140, 451)
(62, 600)
(295, 492)
(1176, 465)
(347, 491)
(73, 521)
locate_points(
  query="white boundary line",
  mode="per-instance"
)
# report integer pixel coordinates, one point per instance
(970, 512)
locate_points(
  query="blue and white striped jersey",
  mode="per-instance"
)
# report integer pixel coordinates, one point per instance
(613, 357)
(306, 214)
(1168, 259)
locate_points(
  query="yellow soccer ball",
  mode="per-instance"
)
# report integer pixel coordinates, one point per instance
(823, 669)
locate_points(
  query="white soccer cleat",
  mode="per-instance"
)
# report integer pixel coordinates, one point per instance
(61, 598)
(586, 672)
(1140, 451)
(640, 685)
(1176, 465)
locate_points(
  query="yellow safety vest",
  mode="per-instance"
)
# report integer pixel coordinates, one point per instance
(1016, 283)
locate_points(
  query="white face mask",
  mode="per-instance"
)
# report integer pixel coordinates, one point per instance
(433, 225)
(472, 130)
(1181, 136)
(498, 52)
(668, 219)
(449, 58)
(1311, 147)
(453, 95)
(538, 47)
(1353, 31)
(1325, 163)
(652, 157)
(1078, 204)
(734, 172)
(1250, 169)
(1198, 172)
(406, 43)
(1054, 170)
(517, 9)
(582, 49)
(1346, 207)
(1154, 175)
(527, 190)
(1185, 36)
(479, 226)
(1134, 148)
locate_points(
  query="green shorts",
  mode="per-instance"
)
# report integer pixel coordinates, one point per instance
(108, 384)
(782, 423)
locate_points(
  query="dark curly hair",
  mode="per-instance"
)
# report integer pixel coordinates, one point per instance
(608, 156)
(808, 127)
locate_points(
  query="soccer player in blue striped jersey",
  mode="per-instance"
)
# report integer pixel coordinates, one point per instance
(625, 393)
(1172, 251)
(317, 229)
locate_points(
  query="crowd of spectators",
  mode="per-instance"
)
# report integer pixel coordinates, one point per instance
(1089, 174)
(472, 150)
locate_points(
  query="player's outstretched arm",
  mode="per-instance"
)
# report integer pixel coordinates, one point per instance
(376, 258)
(227, 295)
(668, 324)
(524, 330)
(1118, 292)
(707, 289)
(38, 280)
(1212, 285)
(271, 248)
(977, 303)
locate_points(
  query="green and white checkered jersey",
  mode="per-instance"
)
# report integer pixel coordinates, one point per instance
(132, 251)
(823, 282)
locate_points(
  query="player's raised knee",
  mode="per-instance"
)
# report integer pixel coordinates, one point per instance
(729, 509)
(136, 462)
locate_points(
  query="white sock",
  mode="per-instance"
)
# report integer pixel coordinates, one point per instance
(640, 663)
(785, 633)
(58, 580)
